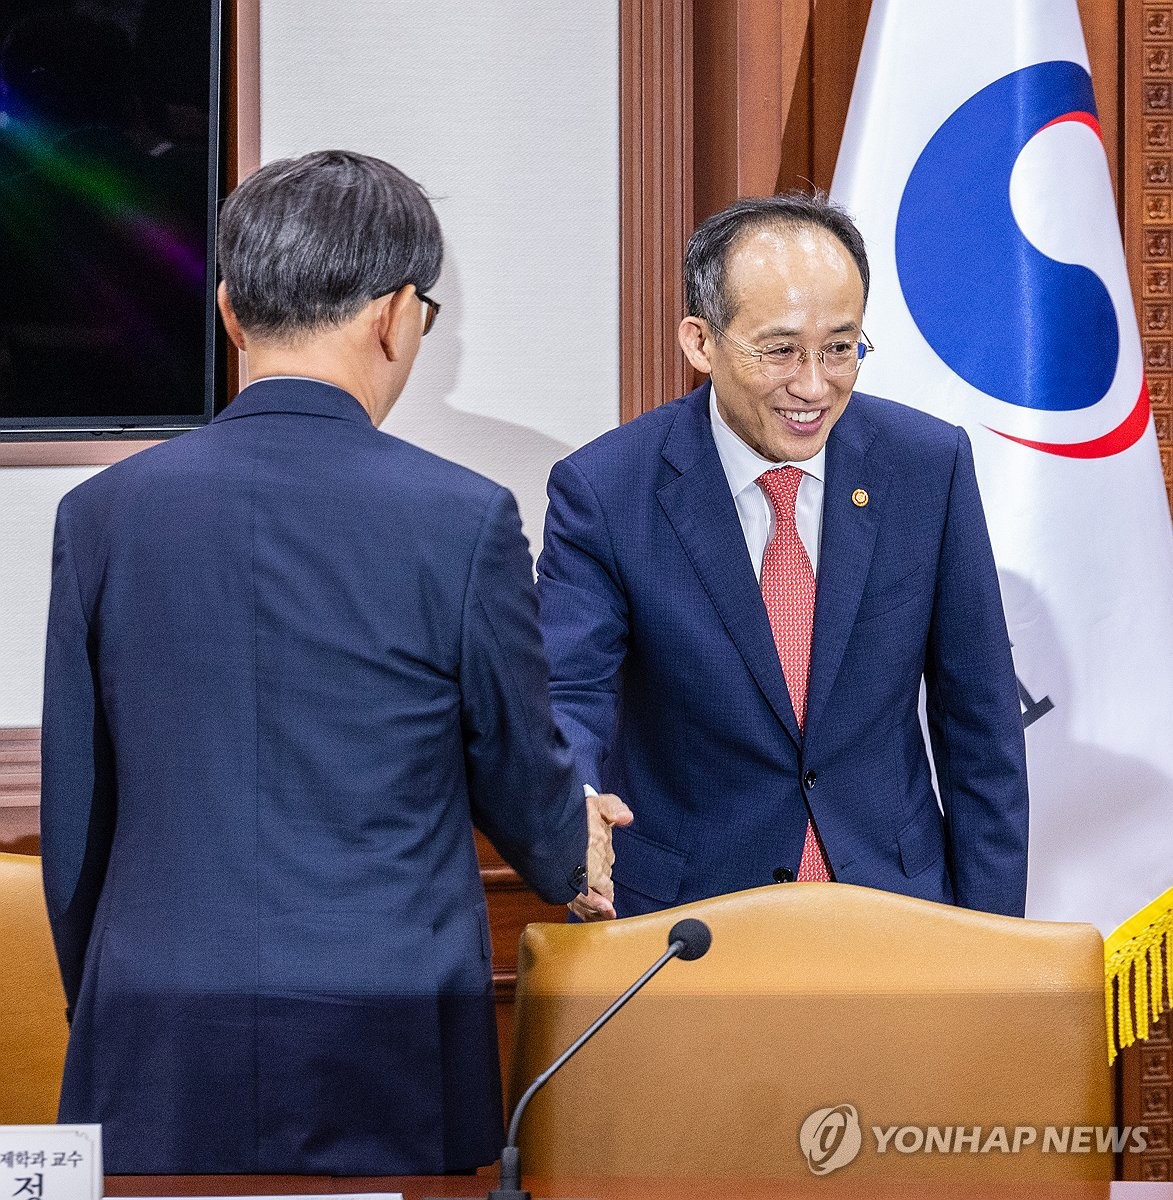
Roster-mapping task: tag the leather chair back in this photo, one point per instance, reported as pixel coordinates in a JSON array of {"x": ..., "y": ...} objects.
[
  {"x": 916, "y": 1017},
  {"x": 33, "y": 1031}
]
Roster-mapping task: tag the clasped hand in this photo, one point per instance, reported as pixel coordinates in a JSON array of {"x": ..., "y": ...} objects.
[{"x": 598, "y": 903}]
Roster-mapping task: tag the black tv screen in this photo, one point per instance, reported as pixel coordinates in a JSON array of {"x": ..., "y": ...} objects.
[{"x": 111, "y": 168}]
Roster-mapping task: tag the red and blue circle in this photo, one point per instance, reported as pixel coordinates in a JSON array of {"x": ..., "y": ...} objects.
[{"x": 1014, "y": 323}]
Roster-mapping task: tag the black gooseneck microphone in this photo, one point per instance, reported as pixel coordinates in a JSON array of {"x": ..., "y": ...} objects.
[{"x": 687, "y": 940}]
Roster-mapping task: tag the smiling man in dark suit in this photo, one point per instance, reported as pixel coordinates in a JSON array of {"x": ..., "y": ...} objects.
[
  {"x": 742, "y": 592},
  {"x": 291, "y": 662}
]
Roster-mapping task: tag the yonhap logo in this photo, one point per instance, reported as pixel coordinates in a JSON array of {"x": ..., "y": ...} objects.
[{"x": 830, "y": 1138}]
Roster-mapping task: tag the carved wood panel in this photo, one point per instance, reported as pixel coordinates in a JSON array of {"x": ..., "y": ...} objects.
[
  {"x": 1146, "y": 192},
  {"x": 1146, "y": 1077},
  {"x": 1147, "y": 46}
]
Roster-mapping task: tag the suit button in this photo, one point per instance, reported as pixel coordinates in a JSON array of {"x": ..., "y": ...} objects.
[
  {"x": 808, "y": 780},
  {"x": 578, "y": 876},
  {"x": 783, "y": 875}
]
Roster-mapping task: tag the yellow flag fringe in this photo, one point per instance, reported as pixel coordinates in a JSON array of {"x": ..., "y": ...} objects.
[{"x": 1138, "y": 964}]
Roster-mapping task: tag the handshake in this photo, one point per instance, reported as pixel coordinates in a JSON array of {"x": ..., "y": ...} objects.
[{"x": 603, "y": 812}]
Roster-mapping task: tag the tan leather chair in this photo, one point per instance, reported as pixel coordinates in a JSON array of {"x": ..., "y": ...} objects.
[
  {"x": 33, "y": 1031},
  {"x": 816, "y": 996}
]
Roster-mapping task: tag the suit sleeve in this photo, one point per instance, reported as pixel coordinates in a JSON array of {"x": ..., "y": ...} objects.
[
  {"x": 974, "y": 713},
  {"x": 77, "y": 777},
  {"x": 524, "y": 792},
  {"x": 584, "y": 618}
]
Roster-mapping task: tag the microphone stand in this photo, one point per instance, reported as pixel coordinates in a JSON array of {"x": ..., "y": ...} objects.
[{"x": 688, "y": 940}]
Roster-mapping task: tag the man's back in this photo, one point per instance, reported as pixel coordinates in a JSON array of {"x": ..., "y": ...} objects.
[{"x": 310, "y": 648}]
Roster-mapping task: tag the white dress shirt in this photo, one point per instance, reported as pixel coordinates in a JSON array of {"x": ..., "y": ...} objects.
[{"x": 755, "y": 512}]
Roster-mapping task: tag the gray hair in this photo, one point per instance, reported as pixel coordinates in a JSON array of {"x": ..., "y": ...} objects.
[
  {"x": 707, "y": 257},
  {"x": 305, "y": 243}
]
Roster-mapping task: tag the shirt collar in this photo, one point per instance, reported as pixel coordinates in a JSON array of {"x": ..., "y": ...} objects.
[
  {"x": 294, "y": 394},
  {"x": 743, "y": 464}
]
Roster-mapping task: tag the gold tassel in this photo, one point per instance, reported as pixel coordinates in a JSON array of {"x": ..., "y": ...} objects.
[
  {"x": 1124, "y": 996},
  {"x": 1141, "y": 995},
  {"x": 1158, "y": 959},
  {"x": 1137, "y": 971},
  {"x": 1110, "y": 1019}
]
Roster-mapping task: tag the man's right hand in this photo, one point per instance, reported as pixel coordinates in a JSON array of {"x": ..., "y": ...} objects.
[{"x": 603, "y": 812}]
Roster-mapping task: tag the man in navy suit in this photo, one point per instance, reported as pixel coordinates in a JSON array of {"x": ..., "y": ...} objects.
[
  {"x": 676, "y": 682},
  {"x": 289, "y": 658}
]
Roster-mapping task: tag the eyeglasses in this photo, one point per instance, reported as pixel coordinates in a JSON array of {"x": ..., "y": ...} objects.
[
  {"x": 784, "y": 360},
  {"x": 431, "y": 312}
]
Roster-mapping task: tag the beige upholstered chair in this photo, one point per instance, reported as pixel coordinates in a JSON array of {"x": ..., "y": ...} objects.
[
  {"x": 816, "y": 996},
  {"x": 33, "y": 1031}
]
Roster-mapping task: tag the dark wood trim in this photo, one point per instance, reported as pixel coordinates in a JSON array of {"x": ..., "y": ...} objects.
[
  {"x": 245, "y": 143},
  {"x": 656, "y": 207},
  {"x": 232, "y": 167},
  {"x": 504, "y": 990},
  {"x": 246, "y": 81}
]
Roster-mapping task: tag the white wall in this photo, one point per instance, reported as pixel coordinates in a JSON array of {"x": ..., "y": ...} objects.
[
  {"x": 28, "y": 504},
  {"x": 508, "y": 113}
]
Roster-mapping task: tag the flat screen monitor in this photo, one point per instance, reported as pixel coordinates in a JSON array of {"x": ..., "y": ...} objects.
[{"x": 112, "y": 153}]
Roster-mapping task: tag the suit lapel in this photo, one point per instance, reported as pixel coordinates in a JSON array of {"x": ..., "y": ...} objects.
[
  {"x": 700, "y": 508},
  {"x": 845, "y": 551}
]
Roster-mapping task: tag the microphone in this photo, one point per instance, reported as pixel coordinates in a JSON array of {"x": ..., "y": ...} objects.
[{"x": 687, "y": 940}]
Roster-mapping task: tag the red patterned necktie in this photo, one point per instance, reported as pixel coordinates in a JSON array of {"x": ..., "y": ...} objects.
[{"x": 788, "y": 588}]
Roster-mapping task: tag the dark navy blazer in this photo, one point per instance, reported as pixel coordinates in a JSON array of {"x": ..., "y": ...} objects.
[
  {"x": 667, "y": 681},
  {"x": 289, "y": 657}
]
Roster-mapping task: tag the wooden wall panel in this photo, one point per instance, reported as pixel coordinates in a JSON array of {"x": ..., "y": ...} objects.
[
  {"x": 244, "y": 143},
  {"x": 831, "y": 36},
  {"x": 837, "y": 28},
  {"x": 20, "y": 790},
  {"x": 747, "y": 62},
  {"x": 1102, "y": 31},
  {"x": 831, "y": 32},
  {"x": 655, "y": 185}
]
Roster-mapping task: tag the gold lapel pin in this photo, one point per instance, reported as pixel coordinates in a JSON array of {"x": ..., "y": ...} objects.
[{"x": 859, "y": 498}]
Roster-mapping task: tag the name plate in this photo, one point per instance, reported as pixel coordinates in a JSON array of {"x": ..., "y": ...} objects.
[{"x": 51, "y": 1162}]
